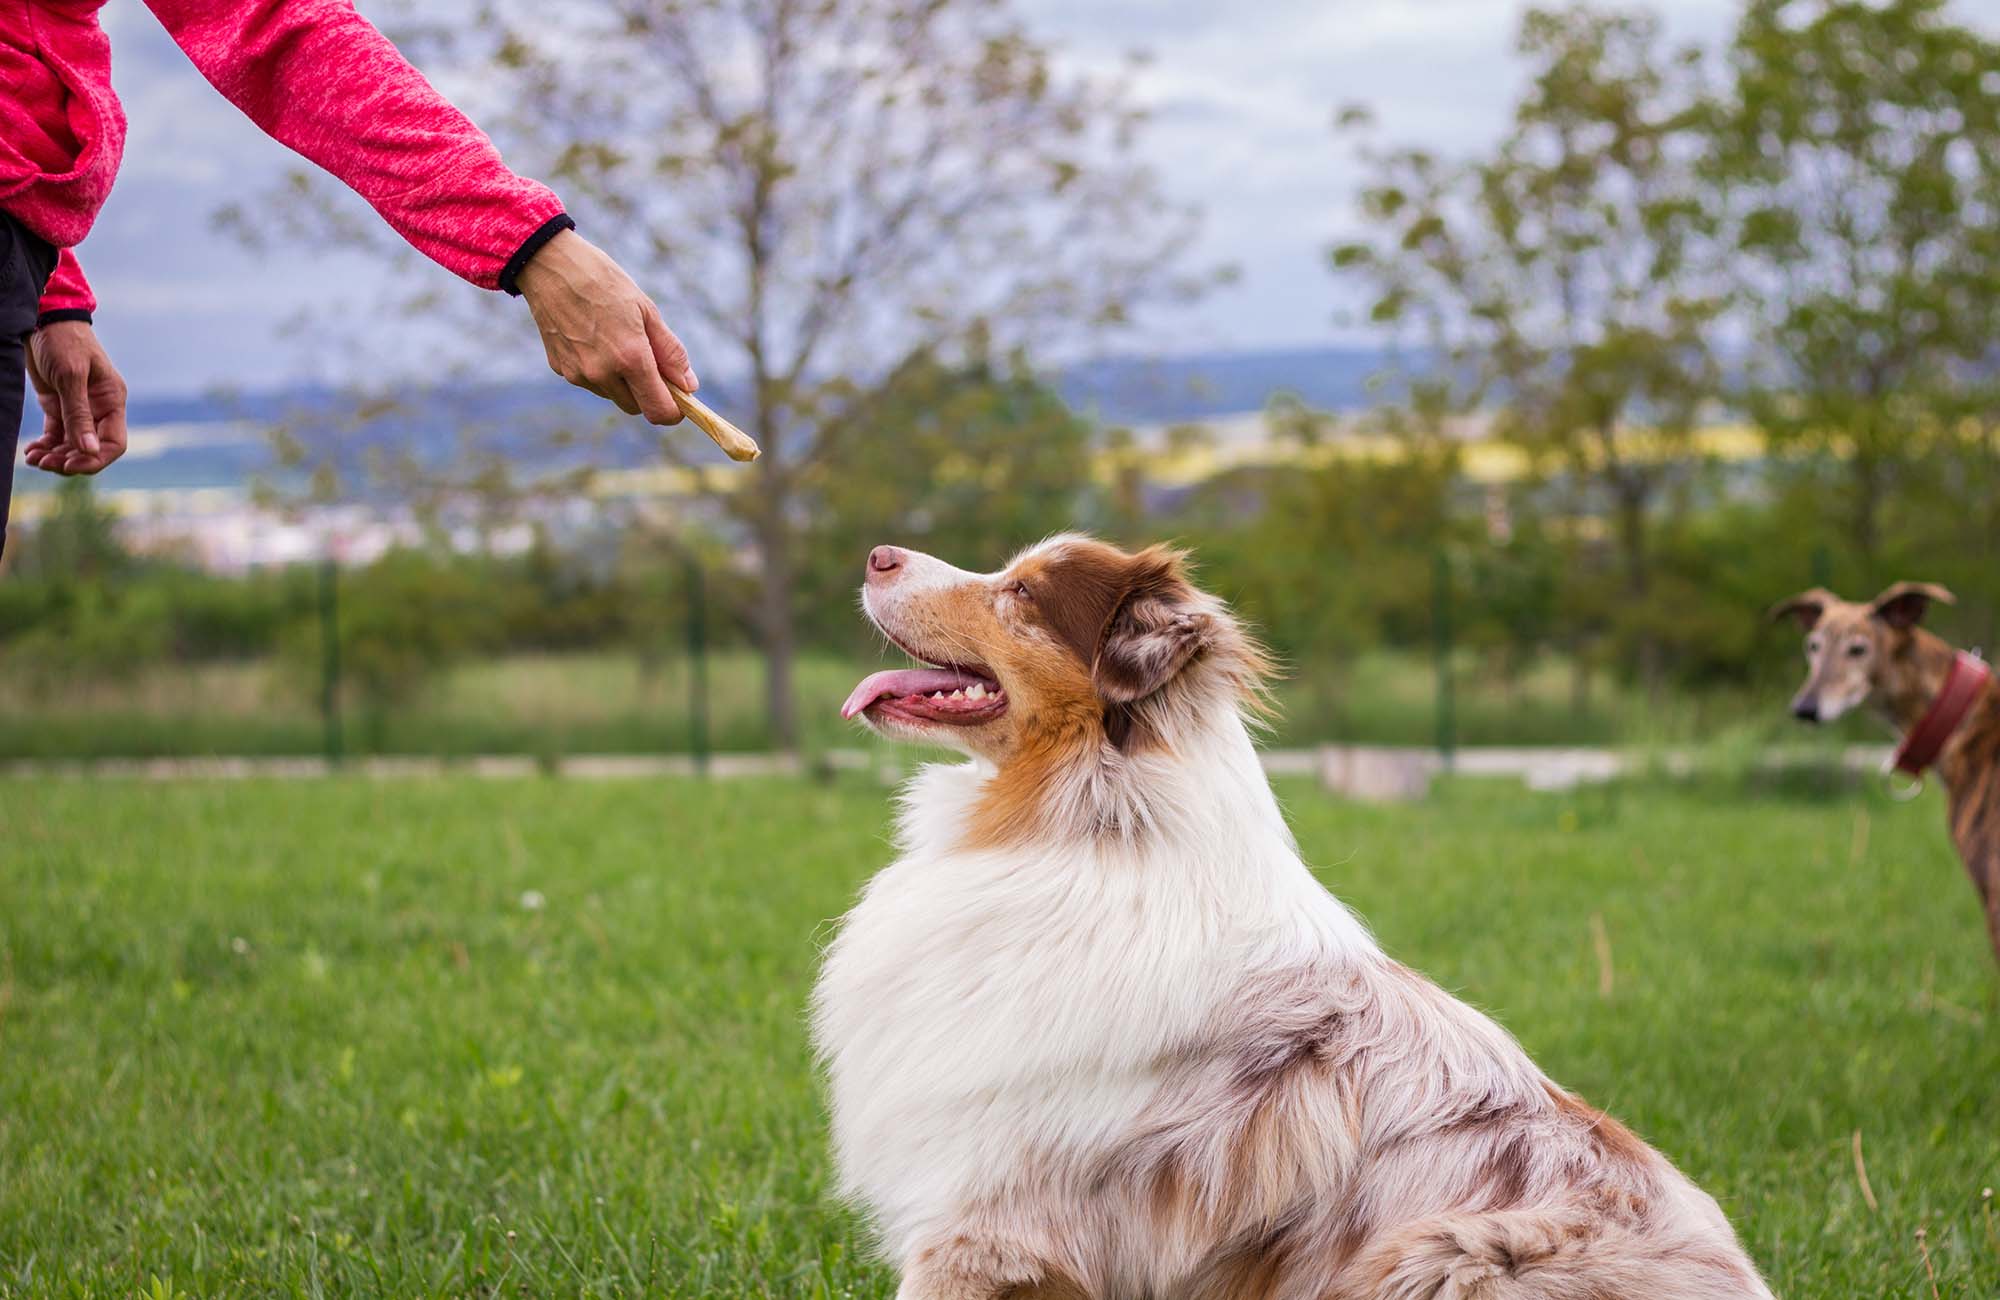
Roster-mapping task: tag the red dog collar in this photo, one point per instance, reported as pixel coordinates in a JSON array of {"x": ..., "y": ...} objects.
[{"x": 1962, "y": 687}]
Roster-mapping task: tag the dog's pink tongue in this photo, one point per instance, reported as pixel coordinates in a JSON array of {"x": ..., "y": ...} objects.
[{"x": 903, "y": 681}]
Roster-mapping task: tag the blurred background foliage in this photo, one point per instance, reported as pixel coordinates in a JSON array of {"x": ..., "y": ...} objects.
[{"x": 1732, "y": 314}]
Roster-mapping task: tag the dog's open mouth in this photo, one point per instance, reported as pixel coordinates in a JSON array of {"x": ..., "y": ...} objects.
[{"x": 957, "y": 697}]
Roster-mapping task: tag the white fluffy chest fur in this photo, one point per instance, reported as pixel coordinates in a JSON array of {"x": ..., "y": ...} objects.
[{"x": 982, "y": 1011}]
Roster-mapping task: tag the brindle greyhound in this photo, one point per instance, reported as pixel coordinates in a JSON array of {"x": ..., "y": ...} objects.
[{"x": 1941, "y": 700}]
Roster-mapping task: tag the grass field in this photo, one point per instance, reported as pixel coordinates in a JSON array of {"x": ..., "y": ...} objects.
[
  {"x": 543, "y": 1038},
  {"x": 600, "y": 702}
]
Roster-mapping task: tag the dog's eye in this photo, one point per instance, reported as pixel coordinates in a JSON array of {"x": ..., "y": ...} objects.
[
  {"x": 1812, "y": 646},
  {"x": 1021, "y": 591},
  {"x": 1858, "y": 649}
]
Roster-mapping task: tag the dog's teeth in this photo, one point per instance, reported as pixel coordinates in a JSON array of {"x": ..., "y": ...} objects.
[
  {"x": 958, "y": 695},
  {"x": 978, "y": 692},
  {"x": 937, "y": 695}
]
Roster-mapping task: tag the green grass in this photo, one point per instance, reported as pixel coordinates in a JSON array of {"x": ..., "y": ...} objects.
[
  {"x": 600, "y": 702},
  {"x": 521, "y": 704},
  {"x": 306, "y": 1039}
]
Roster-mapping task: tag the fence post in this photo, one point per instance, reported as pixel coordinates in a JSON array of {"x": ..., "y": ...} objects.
[
  {"x": 329, "y": 660},
  {"x": 697, "y": 638},
  {"x": 1447, "y": 719}
]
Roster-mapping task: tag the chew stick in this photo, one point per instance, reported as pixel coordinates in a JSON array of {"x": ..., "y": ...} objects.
[{"x": 733, "y": 441}]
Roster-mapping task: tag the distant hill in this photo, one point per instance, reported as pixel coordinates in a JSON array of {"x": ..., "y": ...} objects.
[
  {"x": 218, "y": 440},
  {"x": 1169, "y": 390}
]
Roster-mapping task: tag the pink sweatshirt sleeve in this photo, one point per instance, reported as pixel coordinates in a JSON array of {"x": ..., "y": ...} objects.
[
  {"x": 318, "y": 78},
  {"x": 67, "y": 295}
]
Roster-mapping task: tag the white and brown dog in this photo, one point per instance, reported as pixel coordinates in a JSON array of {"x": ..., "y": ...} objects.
[{"x": 1099, "y": 1032}]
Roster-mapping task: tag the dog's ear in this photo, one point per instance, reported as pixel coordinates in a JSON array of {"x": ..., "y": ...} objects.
[
  {"x": 1157, "y": 628},
  {"x": 1903, "y": 604},
  {"x": 1806, "y": 607}
]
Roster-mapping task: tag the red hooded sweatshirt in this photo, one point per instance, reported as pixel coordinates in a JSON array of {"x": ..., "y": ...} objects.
[{"x": 314, "y": 75}]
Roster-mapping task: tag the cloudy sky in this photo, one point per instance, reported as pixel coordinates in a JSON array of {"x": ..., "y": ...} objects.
[{"x": 1243, "y": 97}]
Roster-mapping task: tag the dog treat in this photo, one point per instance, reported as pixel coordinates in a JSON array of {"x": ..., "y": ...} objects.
[{"x": 738, "y": 444}]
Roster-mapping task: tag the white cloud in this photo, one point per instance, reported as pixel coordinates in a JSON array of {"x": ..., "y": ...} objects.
[{"x": 1243, "y": 98}]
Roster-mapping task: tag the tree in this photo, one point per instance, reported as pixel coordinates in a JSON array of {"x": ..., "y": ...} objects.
[
  {"x": 77, "y": 542},
  {"x": 810, "y": 187},
  {"x": 1329, "y": 554},
  {"x": 983, "y": 460},
  {"x": 1862, "y": 145},
  {"x": 1564, "y": 286}
]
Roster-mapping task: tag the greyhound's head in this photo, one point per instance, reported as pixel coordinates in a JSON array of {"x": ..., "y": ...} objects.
[{"x": 1857, "y": 653}]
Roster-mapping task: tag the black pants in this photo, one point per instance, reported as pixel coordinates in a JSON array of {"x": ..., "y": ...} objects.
[{"x": 26, "y": 262}]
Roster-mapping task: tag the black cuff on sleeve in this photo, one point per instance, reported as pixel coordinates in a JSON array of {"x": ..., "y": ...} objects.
[
  {"x": 63, "y": 313},
  {"x": 532, "y": 245}
]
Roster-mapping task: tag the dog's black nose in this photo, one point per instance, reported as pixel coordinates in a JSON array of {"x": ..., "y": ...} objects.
[
  {"x": 1806, "y": 710},
  {"x": 884, "y": 559}
]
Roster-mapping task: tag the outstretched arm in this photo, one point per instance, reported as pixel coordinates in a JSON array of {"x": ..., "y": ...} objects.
[{"x": 318, "y": 78}]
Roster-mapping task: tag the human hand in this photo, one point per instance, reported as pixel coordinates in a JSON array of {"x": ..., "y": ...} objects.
[
  {"x": 82, "y": 397},
  {"x": 601, "y": 331}
]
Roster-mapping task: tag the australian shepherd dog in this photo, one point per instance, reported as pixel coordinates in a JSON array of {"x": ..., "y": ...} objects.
[{"x": 1098, "y": 1032}]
